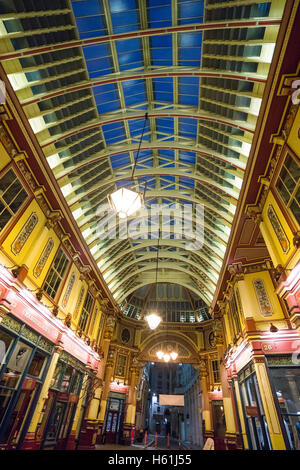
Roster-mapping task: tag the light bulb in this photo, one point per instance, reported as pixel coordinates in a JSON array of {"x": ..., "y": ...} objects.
[
  {"x": 166, "y": 357},
  {"x": 153, "y": 320},
  {"x": 174, "y": 355},
  {"x": 160, "y": 354},
  {"x": 125, "y": 202}
]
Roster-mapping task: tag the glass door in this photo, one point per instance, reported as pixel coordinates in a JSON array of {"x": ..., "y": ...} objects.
[
  {"x": 66, "y": 426},
  {"x": 54, "y": 425},
  {"x": 218, "y": 419},
  {"x": 111, "y": 427}
]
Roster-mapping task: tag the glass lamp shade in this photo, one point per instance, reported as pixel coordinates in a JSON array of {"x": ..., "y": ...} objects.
[
  {"x": 174, "y": 355},
  {"x": 160, "y": 354},
  {"x": 166, "y": 357},
  {"x": 153, "y": 320},
  {"x": 125, "y": 202}
]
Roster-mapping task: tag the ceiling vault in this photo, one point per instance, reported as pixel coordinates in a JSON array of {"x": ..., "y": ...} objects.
[{"x": 86, "y": 73}]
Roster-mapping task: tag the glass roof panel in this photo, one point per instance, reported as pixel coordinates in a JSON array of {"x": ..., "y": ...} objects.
[
  {"x": 134, "y": 92},
  {"x": 98, "y": 60},
  {"x": 120, "y": 160},
  {"x": 188, "y": 127},
  {"x": 159, "y": 13},
  {"x": 188, "y": 90},
  {"x": 190, "y": 11},
  {"x": 130, "y": 54},
  {"x": 161, "y": 50},
  {"x": 184, "y": 157},
  {"x": 106, "y": 98},
  {"x": 124, "y": 15},
  {"x": 113, "y": 132}
]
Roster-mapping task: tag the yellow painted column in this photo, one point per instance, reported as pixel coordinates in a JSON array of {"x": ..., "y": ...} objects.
[
  {"x": 240, "y": 411},
  {"x": 205, "y": 401},
  {"x": 131, "y": 404},
  {"x": 94, "y": 405},
  {"x": 231, "y": 430},
  {"x": 272, "y": 419},
  {"x": 37, "y": 416},
  {"x": 107, "y": 381},
  {"x": 78, "y": 414},
  {"x": 105, "y": 369}
]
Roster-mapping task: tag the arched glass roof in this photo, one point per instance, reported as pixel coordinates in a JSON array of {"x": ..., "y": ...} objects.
[
  {"x": 86, "y": 72},
  {"x": 173, "y": 302}
]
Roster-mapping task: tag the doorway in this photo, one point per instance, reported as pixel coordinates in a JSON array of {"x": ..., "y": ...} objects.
[{"x": 114, "y": 418}]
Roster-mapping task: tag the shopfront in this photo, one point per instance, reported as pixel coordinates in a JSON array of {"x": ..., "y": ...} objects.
[
  {"x": 284, "y": 374},
  {"x": 31, "y": 340},
  {"x": 25, "y": 356},
  {"x": 254, "y": 415},
  {"x": 60, "y": 407}
]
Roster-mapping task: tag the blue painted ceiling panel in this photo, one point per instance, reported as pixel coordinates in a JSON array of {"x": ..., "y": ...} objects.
[
  {"x": 159, "y": 13},
  {"x": 119, "y": 160},
  {"x": 190, "y": 12}
]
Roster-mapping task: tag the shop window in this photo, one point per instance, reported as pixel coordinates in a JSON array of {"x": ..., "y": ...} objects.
[
  {"x": 12, "y": 196},
  {"x": 56, "y": 274},
  {"x": 5, "y": 397},
  {"x": 286, "y": 382},
  {"x": 288, "y": 185},
  {"x": 255, "y": 420},
  {"x": 74, "y": 387},
  {"x": 5, "y": 343},
  {"x": 86, "y": 311},
  {"x": 37, "y": 364},
  {"x": 216, "y": 371},
  {"x": 16, "y": 365},
  {"x": 57, "y": 375},
  {"x": 66, "y": 379}
]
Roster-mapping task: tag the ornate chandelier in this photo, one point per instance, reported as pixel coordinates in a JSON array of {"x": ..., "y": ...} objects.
[
  {"x": 126, "y": 202},
  {"x": 153, "y": 320},
  {"x": 167, "y": 354}
]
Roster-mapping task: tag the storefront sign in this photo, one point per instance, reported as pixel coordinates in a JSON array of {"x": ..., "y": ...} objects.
[
  {"x": 74, "y": 349},
  {"x": 24, "y": 306},
  {"x": 252, "y": 411},
  {"x": 290, "y": 345},
  {"x": 121, "y": 388},
  {"x": 31, "y": 317},
  {"x": 63, "y": 396}
]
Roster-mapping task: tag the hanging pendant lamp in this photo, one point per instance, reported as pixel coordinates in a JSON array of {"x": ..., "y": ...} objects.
[
  {"x": 153, "y": 319},
  {"x": 126, "y": 202}
]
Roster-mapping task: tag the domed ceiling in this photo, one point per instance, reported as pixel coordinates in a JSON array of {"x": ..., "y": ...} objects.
[{"x": 87, "y": 71}]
